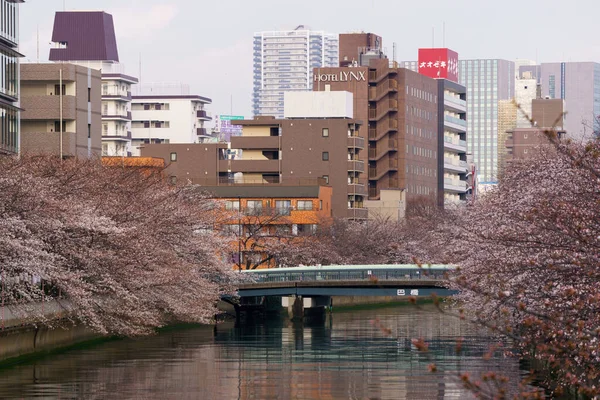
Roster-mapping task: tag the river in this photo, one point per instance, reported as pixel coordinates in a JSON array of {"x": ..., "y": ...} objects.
[{"x": 354, "y": 354}]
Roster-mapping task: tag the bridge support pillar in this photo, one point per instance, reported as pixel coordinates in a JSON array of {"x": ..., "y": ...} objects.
[{"x": 299, "y": 307}]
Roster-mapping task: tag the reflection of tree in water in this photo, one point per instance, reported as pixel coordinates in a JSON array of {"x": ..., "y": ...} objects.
[{"x": 346, "y": 357}]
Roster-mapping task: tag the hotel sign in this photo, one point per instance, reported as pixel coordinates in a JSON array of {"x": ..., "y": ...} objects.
[{"x": 342, "y": 76}]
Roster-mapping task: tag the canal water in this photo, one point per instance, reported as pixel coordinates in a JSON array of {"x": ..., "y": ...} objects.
[{"x": 355, "y": 354}]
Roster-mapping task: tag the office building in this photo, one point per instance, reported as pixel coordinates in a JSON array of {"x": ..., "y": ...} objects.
[
  {"x": 168, "y": 119},
  {"x": 60, "y": 120},
  {"x": 87, "y": 38},
  {"x": 578, "y": 84},
  {"x": 284, "y": 61},
  {"x": 9, "y": 82},
  {"x": 487, "y": 82}
]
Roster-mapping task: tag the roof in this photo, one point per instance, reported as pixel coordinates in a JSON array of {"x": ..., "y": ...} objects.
[
  {"x": 173, "y": 97},
  {"x": 263, "y": 191},
  {"x": 88, "y": 35}
]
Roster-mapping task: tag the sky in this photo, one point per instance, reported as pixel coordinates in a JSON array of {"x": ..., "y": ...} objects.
[{"x": 208, "y": 44}]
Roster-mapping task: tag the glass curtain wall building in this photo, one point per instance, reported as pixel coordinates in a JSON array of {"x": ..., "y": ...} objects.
[
  {"x": 284, "y": 61},
  {"x": 487, "y": 82},
  {"x": 9, "y": 82}
]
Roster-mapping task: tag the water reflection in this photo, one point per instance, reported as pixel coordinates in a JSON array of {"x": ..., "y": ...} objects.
[{"x": 347, "y": 357}]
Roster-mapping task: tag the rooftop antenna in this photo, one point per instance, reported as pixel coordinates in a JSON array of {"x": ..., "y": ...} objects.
[
  {"x": 394, "y": 52},
  {"x": 444, "y": 35},
  {"x": 140, "y": 71},
  {"x": 432, "y": 37}
]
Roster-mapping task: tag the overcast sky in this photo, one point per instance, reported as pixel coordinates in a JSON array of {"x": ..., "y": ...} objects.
[{"x": 208, "y": 43}]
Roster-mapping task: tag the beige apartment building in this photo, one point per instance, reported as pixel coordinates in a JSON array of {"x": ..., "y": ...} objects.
[{"x": 61, "y": 110}]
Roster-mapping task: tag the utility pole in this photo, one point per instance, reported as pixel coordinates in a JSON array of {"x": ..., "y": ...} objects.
[{"x": 60, "y": 88}]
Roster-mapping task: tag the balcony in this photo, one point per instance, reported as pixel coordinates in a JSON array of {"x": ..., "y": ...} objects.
[
  {"x": 376, "y": 173},
  {"x": 48, "y": 108},
  {"x": 117, "y": 136},
  {"x": 457, "y": 124},
  {"x": 255, "y": 142},
  {"x": 357, "y": 189},
  {"x": 458, "y": 146},
  {"x": 356, "y": 165},
  {"x": 356, "y": 142},
  {"x": 455, "y": 166},
  {"x": 455, "y": 185},
  {"x": 358, "y": 213},
  {"x": 455, "y": 103},
  {"x": 383, "y": 147},
  {"x": 116, "y": 94},
  {"x": 116, "y": 115},
  {"x": 389, "y": 85},
  {"x": 386, "y": 125},
  {"x": 203, "y": 115},
  {"x": 201, "y": 132},
  {"x": 249, "y": 166}
]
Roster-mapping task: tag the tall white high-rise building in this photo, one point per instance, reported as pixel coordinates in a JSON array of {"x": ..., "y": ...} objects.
[
  {"x": 487, "y": 82},
  {"x": 284, "y": 62}
]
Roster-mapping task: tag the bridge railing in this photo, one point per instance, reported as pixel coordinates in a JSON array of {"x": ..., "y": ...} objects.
[{"x": 289, "y": 275}]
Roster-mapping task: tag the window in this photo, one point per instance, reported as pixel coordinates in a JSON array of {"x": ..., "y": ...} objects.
[
  {"x": 283, "y": 229},
  {"x": 57, "y": 90},
  {"x": 305, "y": 205},
  {"x": 320, "y": 204},
  {"x": 307, "y": 229},
  {"x": 157, "y": 124},
  {"x": 254, "y": 207},
  {"x": 325, "y": 156},
  {"x": 233, "y": 229},
  {"x": 57, "y": 126},
  {"x": 157, "y": 107},
  {"x": 326, "y": 178},
  {"x": 325, "y": 132},
  {"x": 146, "y": 106},
  {"x": 146, "y": 124},
  {"x": 232, "y": 205},
  {"x": 283, "y": 207},
  {"x": 173, "y": 156}
]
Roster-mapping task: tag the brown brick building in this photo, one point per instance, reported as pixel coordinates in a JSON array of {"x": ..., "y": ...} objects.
[
  {"x": 523, "y": 143},
  {"x": 402, "y": 132},
  {"x": 41, "y": 116}
]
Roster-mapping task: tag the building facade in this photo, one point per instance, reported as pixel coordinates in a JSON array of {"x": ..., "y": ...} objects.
[
  {"x": 283, "y": 62},
  {"x": 168, "y": 119},
  {"x": 452, "y": 142},
  {"x": 9, "y": 83},
  {"x": 60, "y": 120},
  {"x": 578, "y": 84},
  {"x": 401, "y": 109},
  {"x": 487, "y": 82},
  {"x": 88, "y": 38},
  {"x": 255, "y": 215}
]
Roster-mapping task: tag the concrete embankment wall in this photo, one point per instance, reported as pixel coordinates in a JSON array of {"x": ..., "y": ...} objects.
[
  {"x": 21, "y": 341},
  {"x": 19, "y": 336}
]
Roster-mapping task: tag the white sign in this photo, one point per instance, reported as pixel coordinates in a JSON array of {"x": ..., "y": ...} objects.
[
  {"x": 401, "y": 292},
  {"x": 343, "y": 76},
  {"x": 414, "y": 292}
]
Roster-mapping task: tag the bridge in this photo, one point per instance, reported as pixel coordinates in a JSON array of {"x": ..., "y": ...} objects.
[{"x": 312, "y": 287}]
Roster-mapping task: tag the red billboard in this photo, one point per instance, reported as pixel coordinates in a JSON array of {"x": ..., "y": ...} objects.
[{"x": 439, "y": 63}]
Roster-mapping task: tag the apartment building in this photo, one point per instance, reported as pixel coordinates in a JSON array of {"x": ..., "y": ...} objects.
[
  {"x": 253, "y": 214},
  {"x": 61, "y": 110},
  {"x": 87, "y": 38},
  {"x": 523, "y": 143},
  {"x": 168, "y": 119},
  {"x": 283, "y": 62},
  {"x": 9, "y": 76},
  {"x": 401, "y": 109}
]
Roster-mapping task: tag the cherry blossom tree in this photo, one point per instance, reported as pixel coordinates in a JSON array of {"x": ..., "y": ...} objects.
[
  {"x": 124, "y": 249},
  {"x": 529, "y": 258}
]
